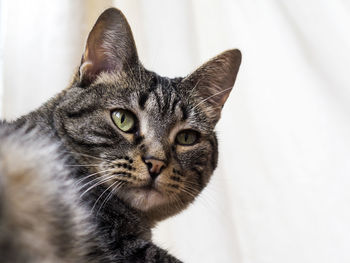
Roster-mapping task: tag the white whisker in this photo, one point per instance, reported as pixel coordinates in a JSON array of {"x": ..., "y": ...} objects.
[
  {"x": 110, "y": 195},
  {"x": 218, "y": 93},
  {"x": 83, "y": 165},
  {"x": 98, "y": 199},
  {"x": 90, "y": 156},
  {"x": 97, "y": 184},
  {"x": 90, "y": 175}
]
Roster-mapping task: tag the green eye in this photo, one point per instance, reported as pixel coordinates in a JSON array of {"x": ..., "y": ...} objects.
[
  {"x": 187, "y": 137},
  {"x": 124, "y": 120}
]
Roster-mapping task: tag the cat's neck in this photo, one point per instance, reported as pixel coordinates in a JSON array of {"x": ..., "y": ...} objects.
[{"x": 114, "y": 216}]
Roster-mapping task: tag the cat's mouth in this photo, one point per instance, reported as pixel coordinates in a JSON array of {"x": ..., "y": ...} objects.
[
  {"x": 151, "y": 189},
  {"x": 147, "y": 191},
  {"x": 146, "y": 196},
  {"x": 150, "y": 186}
]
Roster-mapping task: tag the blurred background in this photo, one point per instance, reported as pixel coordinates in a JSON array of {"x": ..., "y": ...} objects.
[{"x": 281, "y": 192}]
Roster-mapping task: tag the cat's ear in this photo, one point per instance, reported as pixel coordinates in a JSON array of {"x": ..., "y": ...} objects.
[
  {"x": 214, "y": 80},
  {"x": 110, "y": 47}
]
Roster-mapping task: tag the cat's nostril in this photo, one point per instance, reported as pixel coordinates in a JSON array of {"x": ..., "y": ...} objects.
[
  {"x": 149, "y": 165},
  {"x": 155, "y": 166}
]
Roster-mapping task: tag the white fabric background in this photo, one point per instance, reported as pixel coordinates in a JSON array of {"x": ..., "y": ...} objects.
[{"x": 281, "y": 192}]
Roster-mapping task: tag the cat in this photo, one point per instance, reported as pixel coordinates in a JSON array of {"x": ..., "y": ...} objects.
[{"x": 86, "y": 176}]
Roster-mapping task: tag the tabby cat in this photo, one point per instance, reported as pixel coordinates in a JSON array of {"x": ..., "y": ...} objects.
[{"x": 87, "y": 175}]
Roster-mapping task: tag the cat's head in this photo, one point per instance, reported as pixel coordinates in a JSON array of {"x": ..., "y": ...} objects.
[{"x": 148, "y": 139}]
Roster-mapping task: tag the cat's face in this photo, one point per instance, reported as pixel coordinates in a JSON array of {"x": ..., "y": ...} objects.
[
  {"x": 153, "y": 142},
  {"x": 149, "y": 140}
]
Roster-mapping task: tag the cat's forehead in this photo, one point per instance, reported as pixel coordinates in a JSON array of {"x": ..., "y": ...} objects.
[
  {"x": 160, "y": 97},
  {"x": 160, "y": 100}
]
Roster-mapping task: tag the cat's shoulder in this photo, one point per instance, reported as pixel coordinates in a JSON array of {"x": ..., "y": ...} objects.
[{"x": 38, "y": 200}]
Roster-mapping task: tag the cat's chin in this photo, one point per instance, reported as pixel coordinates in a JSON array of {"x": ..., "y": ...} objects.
[{"x": 144, "y": 198}]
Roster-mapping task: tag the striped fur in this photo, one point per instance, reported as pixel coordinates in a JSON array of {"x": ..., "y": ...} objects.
[{"x": 75, "y": 188}]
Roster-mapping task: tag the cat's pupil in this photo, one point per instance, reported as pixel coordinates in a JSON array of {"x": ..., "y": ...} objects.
[
  {"x": 186, "y": 137},
  {"x": 122, "y": 119}
]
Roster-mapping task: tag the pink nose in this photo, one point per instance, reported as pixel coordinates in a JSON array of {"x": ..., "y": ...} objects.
[{"x": 155, "y": 166}]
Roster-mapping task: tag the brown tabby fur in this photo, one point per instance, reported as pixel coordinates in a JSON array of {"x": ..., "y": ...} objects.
[{"x": 75, "y": 188}]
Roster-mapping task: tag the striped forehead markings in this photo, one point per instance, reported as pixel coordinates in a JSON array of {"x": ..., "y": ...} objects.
[
  {"x": 143, "y": 99},
  {"x": 158, "y": 97},
  {"x": 166, "y": 100}
]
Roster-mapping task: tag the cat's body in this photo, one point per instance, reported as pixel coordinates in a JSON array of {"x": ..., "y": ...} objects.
[
  {"x": 86, "y": 176},
  {"x": 40, "y": 213},
  {"x": 44, "y": 218}
]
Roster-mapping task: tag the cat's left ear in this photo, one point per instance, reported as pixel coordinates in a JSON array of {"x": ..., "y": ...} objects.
[
  {"x": 213, "y": 81},
  {"x": 110, "y": 47}
]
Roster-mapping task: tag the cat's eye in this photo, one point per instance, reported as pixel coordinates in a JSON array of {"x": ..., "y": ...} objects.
[
  {"x": 124, "y": 120},
  {"x": 187, "y": 137}
]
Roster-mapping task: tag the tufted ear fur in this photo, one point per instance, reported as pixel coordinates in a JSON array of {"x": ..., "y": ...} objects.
[
  {"x": 110, "y": 47},
  {"x": 214, "y": 80}
]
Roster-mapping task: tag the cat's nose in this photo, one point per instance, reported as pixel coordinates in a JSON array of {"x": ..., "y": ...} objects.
[{"x": 154, "y": 165}]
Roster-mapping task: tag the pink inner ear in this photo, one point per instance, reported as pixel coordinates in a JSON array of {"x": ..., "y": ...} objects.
[
  {"x": 109, "y": 47},
  {"x": 93, "y": 64}
]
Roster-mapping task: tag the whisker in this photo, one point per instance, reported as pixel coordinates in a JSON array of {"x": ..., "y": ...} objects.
[
  {"x": 91, "y": 156},
  {"x": 178, "y": 202},
  {"x": 82, "y": 165},
  {"x": 188, "y": 191},
  {"x": 195, "y": 190},
  {"x": 97, "y": 184},
  {"x": 195, "y": 86},
  {"x": 90, "y": 175},
  {"x": 110, "y": 195},
  {"x": 95, "y": 180},
  {"x": 206, "y": 110},
  {"x": 202, "y": 198},
  {"x": 211, "y": 97},
  {"x": 98, "y": 199}
]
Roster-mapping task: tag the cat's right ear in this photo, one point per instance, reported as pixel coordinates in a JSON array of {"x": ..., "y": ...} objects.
[
  {"x": 110, "y": 47},
  {"x": 213, "y": 81}
]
